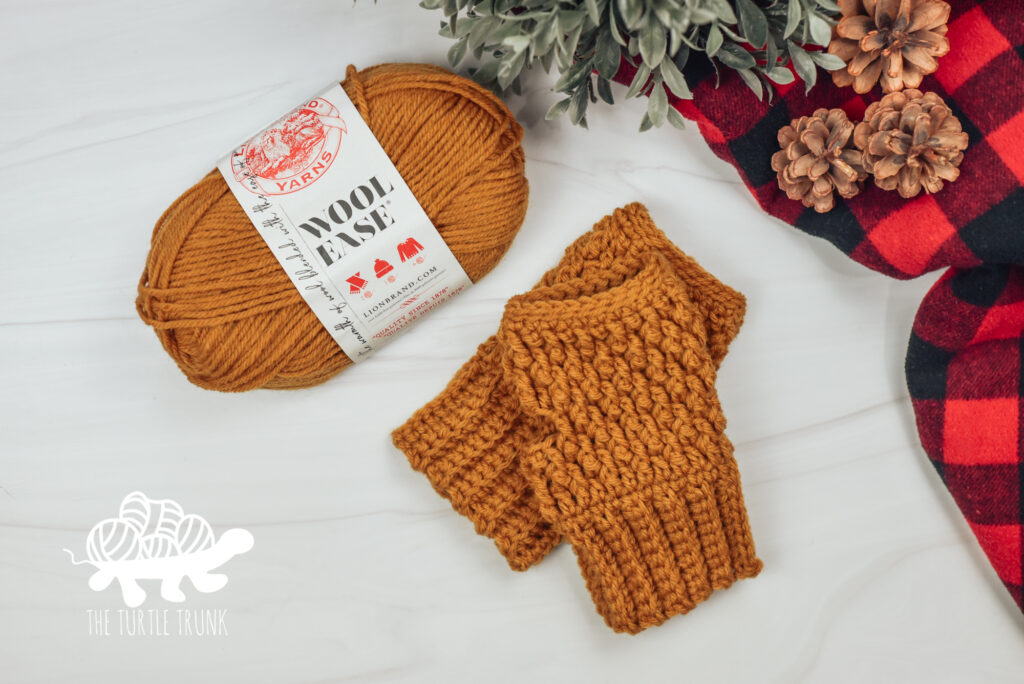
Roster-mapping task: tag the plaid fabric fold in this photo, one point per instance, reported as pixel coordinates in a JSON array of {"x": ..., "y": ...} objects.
[
  {"x": 964, "y": 359},
  {"x": 964, "y": 373}
]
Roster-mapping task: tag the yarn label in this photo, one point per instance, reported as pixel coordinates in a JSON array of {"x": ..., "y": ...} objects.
[{"x": 337, "y": 215}]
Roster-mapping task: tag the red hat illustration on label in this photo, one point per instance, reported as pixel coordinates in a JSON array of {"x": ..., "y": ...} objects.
[
  {"x": 409, "y": 249},
  {"x": 355, "y": 283},
  {"x": 382, "y": 268},
  {"x": 293, "y": 152}
]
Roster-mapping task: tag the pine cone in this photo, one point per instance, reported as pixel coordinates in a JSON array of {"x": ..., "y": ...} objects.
[
  {"x": 911, "y": 141},
  {"x": 897, "y": 40},
  {"x": 817, "y": 157}
]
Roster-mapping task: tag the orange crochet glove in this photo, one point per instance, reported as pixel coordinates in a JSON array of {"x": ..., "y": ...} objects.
[
  {"x": 467, "y": 441},
  {"x": 636, "y": 472}
]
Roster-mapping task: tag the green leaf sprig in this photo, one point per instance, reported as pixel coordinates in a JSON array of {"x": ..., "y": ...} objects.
[{"x": 586, "y": 40}]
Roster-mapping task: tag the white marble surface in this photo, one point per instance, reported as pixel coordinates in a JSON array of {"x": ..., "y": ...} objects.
[{"x": 360, "y": 572}]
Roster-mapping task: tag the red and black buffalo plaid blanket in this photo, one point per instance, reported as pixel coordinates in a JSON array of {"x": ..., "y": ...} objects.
[{"x": 965, "y": 362}]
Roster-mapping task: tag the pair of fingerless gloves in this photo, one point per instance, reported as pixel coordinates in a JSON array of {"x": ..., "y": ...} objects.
[{"x": 592, "y": 416}]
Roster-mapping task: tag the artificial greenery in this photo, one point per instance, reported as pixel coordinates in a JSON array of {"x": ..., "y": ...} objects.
[{"x": 587, "y": 39}]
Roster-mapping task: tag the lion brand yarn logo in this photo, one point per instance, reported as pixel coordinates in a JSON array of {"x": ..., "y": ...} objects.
[
  {"x": 153, "y": 539},
  {"x": 293, "y": 153}
]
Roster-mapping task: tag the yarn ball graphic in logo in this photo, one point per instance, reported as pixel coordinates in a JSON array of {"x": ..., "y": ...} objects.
[
  {"x": 155, "y": 539},
  {"x": 293, "y": 153}
]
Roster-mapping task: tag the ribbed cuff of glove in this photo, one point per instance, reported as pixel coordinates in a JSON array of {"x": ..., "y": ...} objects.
[
  {"x": 637, "y": 473},
  {"x": 467, "y": 440}
]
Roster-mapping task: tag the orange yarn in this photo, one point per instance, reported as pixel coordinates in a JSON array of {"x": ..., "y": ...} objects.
[
  {"x": 223, "y": 307},
  {"x": 469, "y": 440},
  {"x": 635, "y": 469}
]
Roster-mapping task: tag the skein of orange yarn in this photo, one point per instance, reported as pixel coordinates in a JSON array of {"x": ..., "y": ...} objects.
[{"x": 221, "y": 304}]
